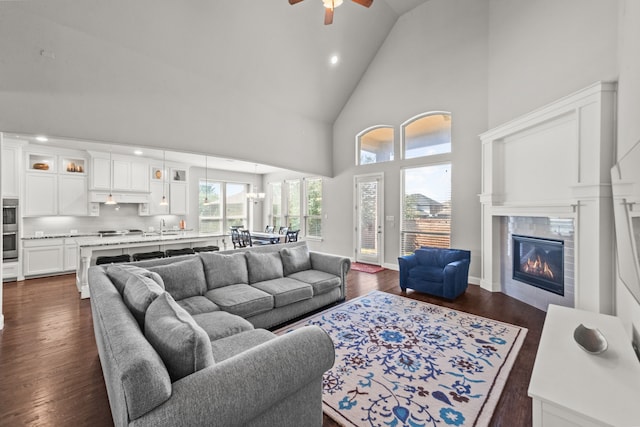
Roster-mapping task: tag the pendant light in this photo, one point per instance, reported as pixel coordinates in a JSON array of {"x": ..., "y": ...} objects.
[
  {"x": 110, "y": 200},
  {"x": 164, "y": 201},
  {"x": 206, "y": 181}
]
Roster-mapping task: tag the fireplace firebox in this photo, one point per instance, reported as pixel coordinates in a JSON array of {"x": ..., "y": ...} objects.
[{"x": 539, "y": 262}]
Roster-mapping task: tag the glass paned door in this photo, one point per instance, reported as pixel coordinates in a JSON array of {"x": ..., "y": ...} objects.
[{"x": 368, "y": 219}]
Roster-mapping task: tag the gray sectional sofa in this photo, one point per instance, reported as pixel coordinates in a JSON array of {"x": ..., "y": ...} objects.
[{"x": 181, "y": 340}]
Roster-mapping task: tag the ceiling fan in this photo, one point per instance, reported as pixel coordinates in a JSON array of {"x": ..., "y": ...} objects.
[{"x": 329, "y": 5}]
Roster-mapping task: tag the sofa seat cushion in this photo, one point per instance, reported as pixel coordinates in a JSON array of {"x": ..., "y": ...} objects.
[
  {"x": 241, "y": 299},
  {"x": 198, "y": 305},
  {"x": 183, "y": 279},
  {"x": 264, "y": 266},
  {"x": 235, "y": 344},
  {"x": 427, "y": 273},
  {"x": 120, "y": 273},
  {"x": 220, "y": 324},
  {"x": 320, "y": 281},
  {"x": 139, "y": 292},
  {"x": 183, "y": 345},
  {"x": 224, "y": 269},
  {"x": 285, "y": 290},
  {"x": 295, "y": 259}
]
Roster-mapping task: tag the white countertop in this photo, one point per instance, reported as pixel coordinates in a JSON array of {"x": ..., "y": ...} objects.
[{"x": 94, "y": 241}]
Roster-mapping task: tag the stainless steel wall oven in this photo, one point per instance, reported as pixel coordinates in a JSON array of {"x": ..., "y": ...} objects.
[{"x": 10, "y": 220}]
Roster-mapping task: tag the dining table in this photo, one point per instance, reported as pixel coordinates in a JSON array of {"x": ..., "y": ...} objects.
[{"x": 268, "y": 237}]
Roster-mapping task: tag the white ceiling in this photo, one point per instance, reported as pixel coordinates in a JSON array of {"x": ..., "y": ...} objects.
[{"x": 259, "y": 50}]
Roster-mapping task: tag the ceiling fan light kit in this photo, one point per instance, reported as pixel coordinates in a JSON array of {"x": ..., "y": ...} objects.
[{"x": 329, "y": 5}]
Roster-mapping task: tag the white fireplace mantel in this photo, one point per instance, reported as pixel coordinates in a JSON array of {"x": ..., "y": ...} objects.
[{"x": 555, "y": 162}]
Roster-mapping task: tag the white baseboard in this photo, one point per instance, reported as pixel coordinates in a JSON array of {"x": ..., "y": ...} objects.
[
  {"x": 474, "y": 280},
  {"x": 1, "y": 321}
]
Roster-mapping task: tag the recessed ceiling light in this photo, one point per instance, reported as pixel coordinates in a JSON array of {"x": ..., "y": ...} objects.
[
  {"x": 138, "y": 152},
  {"x": 42, "y": 138},
  {"x": 334, "y": 60}
]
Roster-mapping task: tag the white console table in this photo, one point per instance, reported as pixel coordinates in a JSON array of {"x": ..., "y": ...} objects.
[{"x": 572, "y": 388}]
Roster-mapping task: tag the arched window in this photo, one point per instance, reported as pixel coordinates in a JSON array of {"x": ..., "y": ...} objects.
[
  {"x": 374, "y": 145},
  {"x": 426, "y": 135}
]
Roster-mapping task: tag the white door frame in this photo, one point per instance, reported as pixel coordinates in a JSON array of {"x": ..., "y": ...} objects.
[{"x": 379, "y": 177}]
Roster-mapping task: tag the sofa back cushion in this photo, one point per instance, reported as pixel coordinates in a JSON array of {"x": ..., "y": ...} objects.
[
  {"x": 183, "y": 279},
  {"x": 295, "y": 259},
  {"x": 264, "y": 266},
  {"x": 183, "y": 345},
  {"x": 224, "y": 269},
  {"x": 120, "y": 273},
  {"x": 139, "y": 292}
]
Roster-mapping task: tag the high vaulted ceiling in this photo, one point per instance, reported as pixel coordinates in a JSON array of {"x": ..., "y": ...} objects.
[{"x": 216, "y": 76}]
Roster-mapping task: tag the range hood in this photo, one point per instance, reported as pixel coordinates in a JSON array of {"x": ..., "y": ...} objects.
[{"x": 119, "y": 197}]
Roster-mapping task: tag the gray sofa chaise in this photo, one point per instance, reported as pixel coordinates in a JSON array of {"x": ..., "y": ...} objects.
[{"x": 180, "y": 343}]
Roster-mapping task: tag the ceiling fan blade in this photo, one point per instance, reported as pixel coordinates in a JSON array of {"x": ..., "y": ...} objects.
[
  {"x": 328, "y": 16},
  {"x": 294, "y": 1},
  {"x": 365, "y": 3}
]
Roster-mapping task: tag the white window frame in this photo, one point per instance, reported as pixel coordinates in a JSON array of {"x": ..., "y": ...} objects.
[
  {"x": 305, "y": 202},
  {"x": 403, "y": 128}
]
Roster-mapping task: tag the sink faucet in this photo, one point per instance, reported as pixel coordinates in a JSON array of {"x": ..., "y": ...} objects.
[{"x": 163, "y": 225}]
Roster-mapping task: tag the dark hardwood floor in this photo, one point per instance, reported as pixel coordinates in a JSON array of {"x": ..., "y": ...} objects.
[{"x": 51, "y": 374}]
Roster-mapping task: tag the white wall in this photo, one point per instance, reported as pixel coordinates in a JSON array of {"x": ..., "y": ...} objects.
[
  {"x": 435, "y": 58},
  {"x": 628, "y": 127},
  {"x": 540, "y": 51}
]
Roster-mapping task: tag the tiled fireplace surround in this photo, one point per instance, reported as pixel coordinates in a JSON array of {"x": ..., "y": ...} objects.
[{"x": 547, "y": 174}]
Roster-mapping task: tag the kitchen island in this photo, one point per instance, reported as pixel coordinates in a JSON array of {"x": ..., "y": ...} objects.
[{"x": 89, "y": 248}]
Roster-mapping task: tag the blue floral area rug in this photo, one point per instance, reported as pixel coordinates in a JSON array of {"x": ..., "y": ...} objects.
[{"x": 401, "y": 362}]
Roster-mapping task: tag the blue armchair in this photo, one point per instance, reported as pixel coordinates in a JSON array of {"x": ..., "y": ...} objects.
[{"x": 436, "y": 271}]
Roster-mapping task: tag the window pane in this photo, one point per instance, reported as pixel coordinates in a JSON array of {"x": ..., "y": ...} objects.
[
  {"x": 210, "y": 214},
  {"x": 314, "y": 207},
  {"x": 376, "y": 145},
  {"x": 236, "y": 209},
  {"x": 293, "y": 204},
  {"x": 427, "y": 136},
  {"x": 276, "y": 204},
  {"x": 426, "y": 208}
]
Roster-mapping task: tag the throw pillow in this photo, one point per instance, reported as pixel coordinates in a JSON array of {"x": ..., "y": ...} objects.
[
  {"x": 139, "y": 293},
  {"x": 295, "y": 259},
  {"x": 183, "y": 279},
  {"x": 184, "y": 346},
  {"x": 263, "y": 266},
  {"x": 120, "y": 273},
  {"x": 223, "y": 270}
]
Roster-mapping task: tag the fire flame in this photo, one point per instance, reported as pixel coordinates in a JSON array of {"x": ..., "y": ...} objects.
[{"x": 537, "y": 268}]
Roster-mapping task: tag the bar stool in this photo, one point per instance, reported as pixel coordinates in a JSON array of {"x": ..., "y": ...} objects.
[
  {"x": 147, "y": 255},
  {"x": 112, "y": 259},
  {"x": 177, "y": 252},
  {"x": 206, "y": 249}
]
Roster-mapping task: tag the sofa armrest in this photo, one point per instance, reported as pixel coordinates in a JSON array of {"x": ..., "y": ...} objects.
[
  {"x": 332, "y": 264},
  {"x": 239, "y": 389},
  {"x": 406, "y": 263}
]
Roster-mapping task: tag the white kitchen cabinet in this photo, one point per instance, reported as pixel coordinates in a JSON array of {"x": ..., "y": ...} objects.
[
  {"x": 178, "y": 198},
  {"x": 43, "y": 256},
  {"x": 157, "y": 190},
  {"x": 11, "y": 155},
  {"x": 10, "y": 270},
  {"x": 130, "y": 175},
  {"x": 121, "y": 174},
  {"x": 100, "y": 172},
  {"x": 72, "y": 195},
  {"x": 70, "y": 255},
  {"x": 139, "y": 177},
  {"x": 41, "y": 194}
]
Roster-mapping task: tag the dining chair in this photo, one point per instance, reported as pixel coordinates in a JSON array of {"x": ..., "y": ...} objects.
[
  {"x": 269, "y": 229},
  {"x": 236, "y": 239},
  {"x": 245, "y": 238},
  {"x": 283, "y": 230},
  {"x": 292, "y": 236}
]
